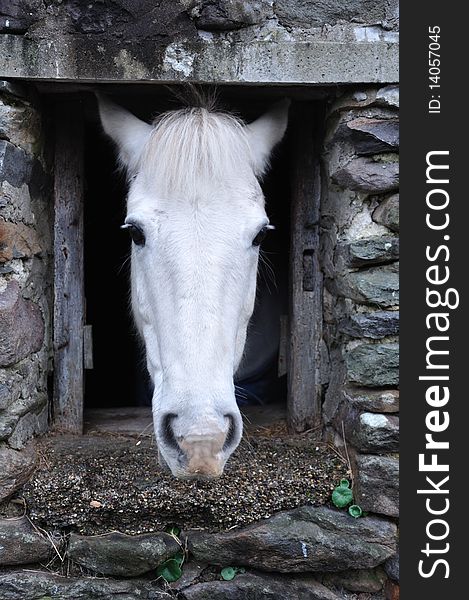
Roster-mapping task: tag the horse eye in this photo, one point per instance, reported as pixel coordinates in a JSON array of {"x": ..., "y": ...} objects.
[
  {"x": 136, "y": 233},
  {"x": 260, "y": 237}
]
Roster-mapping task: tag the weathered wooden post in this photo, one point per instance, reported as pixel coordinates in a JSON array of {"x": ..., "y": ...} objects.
[
  {"x": 69, "y": 304},
  {"x": 304, "y": 389}
]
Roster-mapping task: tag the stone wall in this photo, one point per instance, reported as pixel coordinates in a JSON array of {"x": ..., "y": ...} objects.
[
  {"x": 306, "y": 554},
  {"x": 153, "y": 20},
  {"x": 360, "y": 253},
  {"x": 25, "y": 282}
]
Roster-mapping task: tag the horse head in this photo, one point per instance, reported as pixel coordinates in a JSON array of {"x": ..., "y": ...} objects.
[{"x": 196, "y": 218}]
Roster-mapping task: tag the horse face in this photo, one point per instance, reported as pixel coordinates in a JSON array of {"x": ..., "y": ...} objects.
[
  {"x": 193, "y": 290},
  {"x": 196, "y": 218}
]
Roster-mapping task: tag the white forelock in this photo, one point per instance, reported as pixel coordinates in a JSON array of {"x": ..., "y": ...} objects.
[{"x": 192, "y": 148}]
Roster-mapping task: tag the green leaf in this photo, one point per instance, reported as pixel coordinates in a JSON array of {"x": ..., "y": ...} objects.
[
  {"x": 355, "y": 511},
  {"x": 342, "y": 494},
  {"x": 173, "y": 530},
  {"x": 228, "y": 573},
  {"x": 170, "y": 570}
]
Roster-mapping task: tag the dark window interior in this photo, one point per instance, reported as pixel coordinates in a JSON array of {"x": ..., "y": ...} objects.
[{"x": 119, "y": 376}]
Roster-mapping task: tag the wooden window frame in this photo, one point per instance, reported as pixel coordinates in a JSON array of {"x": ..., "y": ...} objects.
[{"x": 306, "y": 281}]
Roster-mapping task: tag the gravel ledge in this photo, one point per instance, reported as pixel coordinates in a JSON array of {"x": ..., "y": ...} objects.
[{"x": 101, "y": 483}]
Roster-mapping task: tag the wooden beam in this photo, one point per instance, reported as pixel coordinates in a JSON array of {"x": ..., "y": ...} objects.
[
  {"x": 306, "y": 283},
  {"x": 69, "y": 305}
]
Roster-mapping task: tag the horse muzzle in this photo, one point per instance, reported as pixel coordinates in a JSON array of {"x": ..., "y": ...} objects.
[{"x": 201, "y": 453}]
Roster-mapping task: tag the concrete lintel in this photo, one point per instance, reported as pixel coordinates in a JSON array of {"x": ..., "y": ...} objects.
[{"x": 259, "y": 62}]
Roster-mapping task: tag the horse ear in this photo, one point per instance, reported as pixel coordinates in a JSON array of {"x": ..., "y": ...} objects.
[
  {"x": 265, "y": 133},
  {"x": 127, "y": 131}
]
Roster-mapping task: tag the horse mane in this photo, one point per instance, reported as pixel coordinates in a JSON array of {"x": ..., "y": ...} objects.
[{"x": 195, "y": 146}]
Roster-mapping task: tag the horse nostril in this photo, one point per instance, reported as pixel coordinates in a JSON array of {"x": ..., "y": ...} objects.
[
  {"x": 167, "y": 432},
  {"x": 231, "y": 435}
]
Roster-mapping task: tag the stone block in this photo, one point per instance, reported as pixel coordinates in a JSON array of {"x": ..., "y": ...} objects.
[
  {"x": 373, "y": 365},
  {"x": 370, "y": 175},
  {"x": 256, "y": 586},
  {"x": 26, "y": 415},
  {"x": 388, "y": 96},
  {"x": 304, "y": 539},
  {"x": 224, "y": 15},
  {"x": 15, "y": 165},
  {"x": 17, "y": 467},
  {"x": 373, "y": 325},
  {"x": 19, "y": 382},
  {"x": 20, "y": 124},
  {"x": 368, "y": 581},
  {"x": 131, "y": 20},
  {"x": 16, "y": 16},
  {"x": 5, "y": 394},
  {"x": 372, "y": 136},
  {"x": 21, "y": 543},
  {"x": 354, "y": 99},
  {"x": 373, "y": 432},
  {"x": 27, "y": 585},
  {"x": 17, "y": 241},
  {"x": 310, "y": 13},
  {"x": 13, "y": 89},
  {"x": 391, "y": 566},
  {"x": 7, "y": 425},
  {"x": 376, "y": 286},
  {"x": 387, "y": 213},
  {"x": 21, "y": 326},
  {"x": 371, "y": 251},
  {"x": 379, "y": 401},
  {"x": 119, "y": 555},
  {"x": 377, "y": 484},
  {"x": 33, "y": 422},
  {"x": 16, "y": 205}
]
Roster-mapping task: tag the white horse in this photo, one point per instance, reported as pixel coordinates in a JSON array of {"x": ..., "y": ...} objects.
[{"x": 195, "y": 213}]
